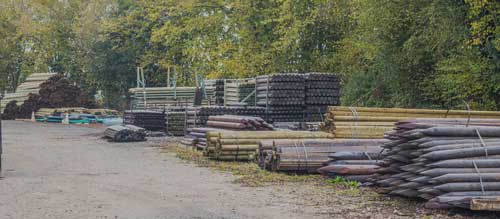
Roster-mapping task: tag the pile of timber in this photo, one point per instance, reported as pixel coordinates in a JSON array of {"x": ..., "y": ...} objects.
[
  {"x": 239, "y": 91},
  {"x": 175, "y": 122},
  {"x": 372, "y": 123},
  {"x": 218, "y": 86},
  {"x": 162, "y": 97},
  {"x": 322, "y": 90},
  {"x": 448, "y": 162},
  {"x": 198, "y": 116},
  {"x": 238, "y": 123},
  {"x": 197, "y": 138},
  {"x": 244, "y": 145},
  {"x": 125, "y": 133},
  {"x": 308, "y": 155},
  {"x": 149, "y": 120},
  {"x": 30, "y": 86},
  {"x": 283, "y": 96}
]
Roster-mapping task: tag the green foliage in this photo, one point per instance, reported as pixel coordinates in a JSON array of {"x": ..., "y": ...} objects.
[{"x": 341, "y": 181}]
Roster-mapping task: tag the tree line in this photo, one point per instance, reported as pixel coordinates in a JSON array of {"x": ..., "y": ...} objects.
[{"x": 389, "y": 53}]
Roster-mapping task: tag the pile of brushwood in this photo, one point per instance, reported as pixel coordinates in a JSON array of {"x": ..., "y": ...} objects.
[{"x": 56, "y": 92}]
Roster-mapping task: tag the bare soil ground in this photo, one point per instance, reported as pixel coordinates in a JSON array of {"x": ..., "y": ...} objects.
[{"x": 58, "y": 171}]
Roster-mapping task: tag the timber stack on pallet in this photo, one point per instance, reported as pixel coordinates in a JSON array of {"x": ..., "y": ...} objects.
[
  {"x": 243, "y": 145},
  {"x": 283, "y": 96},
  {"x": 125, "y": 133},
  {"x": 371, "y": 123},
  {"x": 449, "y": 162},
  {"x": 149, "y": 120},
  {"x": 308, "y": 155},
  {"x": 198, "y": 116},
  {"x": 237, "y": 90},
  {"x": 322, "y": 90},
  {"x": 162, "y": 97},
  {"x": 30, "y": 86}
]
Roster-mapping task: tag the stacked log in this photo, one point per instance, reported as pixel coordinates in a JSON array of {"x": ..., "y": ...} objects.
[
  {"x": 198, "y": 116},
  {"x": 283, "y": 96},
  {"x": 30, "y": 86},
  {"x": 149, "y": 120},
  {"x": 356, "y": 164},
  {"x": 370, "y": 123},
  {"x": 307, "y": 155},
  {"x": 321, "y": 91},
  {"x": 445, "y": 161},
  {"x": 238, "y": 123},
  {"x": 176, "y": 123},
  {"x": 239, "y": 91},
  {"x": 125, "y": 133},
  {"x": 218, "y": 86},
  {"x": 161, "y": 97},
  {"x": 10, "y": 111},
  {"x": 197, "y": 138},
  {"x": 243, "y": 145}
]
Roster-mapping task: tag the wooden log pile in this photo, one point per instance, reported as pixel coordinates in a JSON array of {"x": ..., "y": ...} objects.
[
  {"x": 448, "y": 162},
  {"x": 283, "y": 96},
  {"x": 243, "y": 145},
  {"x": 218, "y": 86},
  {"x": 237, "y": 90},
  {"x": 197, "y": 138},
  {"x": 238, "y": 123},
  {"x": 175, "y": 122},
  {"x": 149, "y": 120},
  {"x": 125, "y": 133},
  {"x": 30, "y": 86},
  {"x": 161, "y": 97},
  {"x": 198, "y": 116},
  {"x": 370, "y": 123},
  {"x": 307, "y": 155},
  {"x": 322, "y": 90}
]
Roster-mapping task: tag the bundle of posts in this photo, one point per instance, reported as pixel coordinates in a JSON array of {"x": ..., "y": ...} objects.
[
  {"x": 448, "y": 162},
  {"x": 322, "y": 90},
  {"x": 150, "y": 120},
  {"x": 197, "y": 138},
  {"x": 218, "y": 86},
  {"x": 30, "y": 86},
  {"x": 243, "y": 145},
  {"x": 175, "y": 122},
  {"x": 283, "y": 96},
  {"x": 371, "y": 123},
  {"x": 238, "y": 123},
  {"x": 198, "y": 116},
  {"x": 239, "y": 91},
  {"x": 125, "y": 133},
  {"x": 161, "y": 97},
  {"x": 308, "y": 155}
]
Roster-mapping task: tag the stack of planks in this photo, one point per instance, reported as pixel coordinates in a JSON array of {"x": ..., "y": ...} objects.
[
  {"x": 283, "y": 96},
  {"x": 243, "y": 145},
  {"x": 125, "y": 133},
  {"x": 149, "y": 120},
  {"x": 238, "y": 123},
  {"x": 322, "y": 90},
  {"x": 308, "y": 155},
  {"x": 372, "y": 123},
  {"x": 161, "y": 97},
  {"x": 448, "y": 162}
]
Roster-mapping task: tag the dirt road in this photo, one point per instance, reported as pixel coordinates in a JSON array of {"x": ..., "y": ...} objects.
[{"x": 57, "y": 171}]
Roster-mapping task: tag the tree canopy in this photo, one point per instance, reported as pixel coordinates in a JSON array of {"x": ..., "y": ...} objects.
[{"x": 389, "y": 53}]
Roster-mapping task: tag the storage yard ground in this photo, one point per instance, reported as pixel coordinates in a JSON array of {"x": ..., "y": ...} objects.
[{"x": 59, "y": 171}]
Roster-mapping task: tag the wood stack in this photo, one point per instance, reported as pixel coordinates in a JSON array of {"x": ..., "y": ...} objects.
[
  {"x": 162, "y": 97},
  {"x": 176, "y": 122},
  {"x": 283, "y": 96},
  {"x": 239, "y": 91},
  {"x": 371, "y": 123},
  {"x": 30, "y": 86},
  {"x": 448, "y": 162},
  {"x": 307, "y": 155},
  {"x": 322, "y": 90},
  {"x": 149, "y": 120},
  {"x": 238, "y": 123},
  {"x": 218, "y": 86},
  {"x": 243, "y": 145},
  {"x": 125, "y": 133},
  {"x": 198, "y": 116},
  {"x": 197, "y": 138}
]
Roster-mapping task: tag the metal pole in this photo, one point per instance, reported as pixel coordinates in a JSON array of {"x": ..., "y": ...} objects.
[{"x": 1, "y": 149}]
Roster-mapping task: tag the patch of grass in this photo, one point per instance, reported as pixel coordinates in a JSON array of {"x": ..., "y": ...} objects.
[{"x": 249, "y": 174}]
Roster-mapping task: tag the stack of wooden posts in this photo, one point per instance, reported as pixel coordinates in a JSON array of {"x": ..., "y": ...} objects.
[
  {"x": 322, "y": 90},
  {"x": 243, "y": 145},
  {"x": 197, "y": 138},
  {"x": 239, "y": 90},
  {"x": 161, "y": 97},
  {"x": 218, "y": 86},
  {"x": 238, "y": 123},
  {"x": 125, "y": 133},
  {"x": 448, "y": 162},
  {"x": 149, "y": 120},
  {"x": 176, "y": 121},
  {"x": 371, "y": 123},
  {"x": 283, "y": 96},
  {"x": 198, "y": 116},
  {"x": 307, "y": 155},
  {"x": 30, "y": 86}
]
